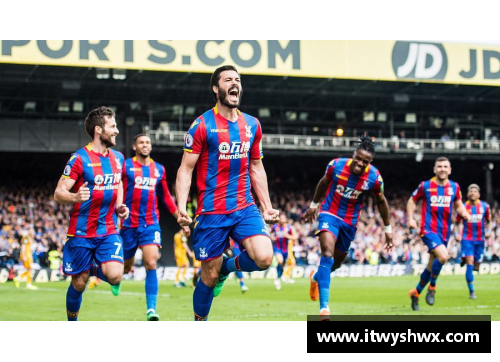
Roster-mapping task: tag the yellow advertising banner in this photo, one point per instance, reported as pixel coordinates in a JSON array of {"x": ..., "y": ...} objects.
[{"x": 439, "y": 62}]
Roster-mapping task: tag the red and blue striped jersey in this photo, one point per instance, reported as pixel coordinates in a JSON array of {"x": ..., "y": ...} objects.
[
  {"x": 437, "y": 206},
  {"x": 142, "y": 186},
  {"x": 279, "y": 231},
  {"x": 96, "y": 216},
  {"x": 474, "y": 229},
  {"x": 225, "y": 149},
  {"x": 344, "y": 197}
]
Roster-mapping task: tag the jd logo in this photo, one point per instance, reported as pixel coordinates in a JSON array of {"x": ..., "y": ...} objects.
[{"x": 418, "y": 60}]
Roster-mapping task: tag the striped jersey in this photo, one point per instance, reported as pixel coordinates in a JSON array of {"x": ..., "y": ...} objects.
[
  {"x": 142, "y": 186},
  {"x": 474, "y": 229},
  {"x": 96, "y": 216},
  {"x": 225, "y": 150},
  {"x": 437, "y": 205},
  {"x": 279, "y": 231},
  {"x": 344, "y": 196}
]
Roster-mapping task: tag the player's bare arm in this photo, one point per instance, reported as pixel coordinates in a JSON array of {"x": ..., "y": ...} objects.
[
  {"x": 64, "y": 196},
  {"x": 383, "y": 208},
  {"x": 311, "y": 214},
  {"x": 462, "y": 210},
  {"x": 258, "y": 178},
  {"x": 460, "y": 229},
  {"x": 183, "y": 185},
  {"x": 410, "y": 211},
  {"x": 121, "y": 209}
]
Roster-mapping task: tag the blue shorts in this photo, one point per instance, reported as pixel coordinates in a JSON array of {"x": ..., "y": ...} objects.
[
  {"x": 80, "y": 253},
  {"x": 212, "y": 231},
  {"x": 279, "y": 251},
  {"x": 343, "y": 232},
  {"x": 472, "y": 248},
  {"x": 433, "y": 240},
  {"x": 134, "y": 238}
]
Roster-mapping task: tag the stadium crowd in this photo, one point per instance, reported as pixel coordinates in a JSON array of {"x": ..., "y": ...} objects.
[{"x": 34, "y": 208}]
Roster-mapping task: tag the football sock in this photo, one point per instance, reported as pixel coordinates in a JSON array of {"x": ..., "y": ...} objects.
[
  {"x": 96, "y": 271},
  {"x": 239, "y": 274},
  {"x": 435, "y": 270},
  {"x": 73, "y": 302},
  {"x": 202, "y": 300},
  {"x": 177, "y": 275},
  {"x": 470, "y": 277},
  {"x": 322, "y": 276},
  {"x": 151, "y": 289},
  {"x": 242, "y": 262},
  {"x": 183, "y": 277},
  {"x": 280, "y": 270},
  {"x": 424, "y": 279}
]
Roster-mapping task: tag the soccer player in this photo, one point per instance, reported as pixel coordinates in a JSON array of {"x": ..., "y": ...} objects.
[
  {"x": 290, "y": 264},
  {"x": 474, "y": 233},
  {"x": 281, "y": 234},
  {"x": 224, "y": 144},
  {"x": 344, "y": 185},
  {"x": 26, "y": 257},
  {"x": 439, "y": 195},
  {"x": 91, "y": 181},
  {"x": 144, "y": 182},
  {"x": 181, "y": 251}
]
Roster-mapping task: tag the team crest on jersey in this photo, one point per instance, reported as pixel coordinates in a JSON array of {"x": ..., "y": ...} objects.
[
  {"x": 68, "y": 267},
  {"x": 203, "y": 254},
  {"x": 118, "y": 164},
  {"x": 248, "y": 130},
  {"x": 365, "y": 186},
  {"x": 189, "y": 140},
  {"x": 67, "y": 170},
  {"x": 450, "y": 191},
  {"x": 325, "y": 225},
  {"x": 157, "y": 173}
]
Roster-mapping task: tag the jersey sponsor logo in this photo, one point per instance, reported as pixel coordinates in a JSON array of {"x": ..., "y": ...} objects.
[
  {"x": 440, "y": 201},
  {"x": 234, "y": 151},
  {"x": 203, "y": 253},
  {"x": 248, "y": 131},
  {"x": 67, "y": 170},
  {"x": 145, "y": 183},
  {"x": 189, "y": 140},
  {"x": 219, "y": 130},
  {"x": 108, "y": 181},
  {"x": 97, "y": 164},
  {"x": 348, "y": 193},
  {"x": 116, "y": 257},
  {"x": 476, "y": 218}
]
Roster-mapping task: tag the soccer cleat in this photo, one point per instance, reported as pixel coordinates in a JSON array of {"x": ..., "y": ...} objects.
[
  {"x": 414, "y": 299},
  {"x": 178, "y": 285},
  {"x": 324, "y": 315},
  {"x": 473, "y": 296},
  {"x": 31, "y": 287},
  {"x": 182, "y": 284},
  {"x": 152, "y": 315},
  {"x": 462, "y": 263},
  {"x": 313, "y": 288},
  {"x": 277, "y": 284},
  {"x": 430, "y": 297},
  {"x": 92, "y": 284},
  {"x": 244, "y": 288},
  {"x": 115, "y": 289},
  {"x": 16, "y": 282}
]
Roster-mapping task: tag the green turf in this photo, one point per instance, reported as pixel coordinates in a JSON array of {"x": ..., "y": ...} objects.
[{"x": 376, "y": 295}]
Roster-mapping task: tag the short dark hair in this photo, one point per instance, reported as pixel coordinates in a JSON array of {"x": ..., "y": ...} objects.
[
  {"x": 140, "y": 135},
  {"x": 96, "y": 118},
  {"x": 441, "y": 159},
  {"x": 214, "y": 79},
  {"x": 366, "y": 143}
]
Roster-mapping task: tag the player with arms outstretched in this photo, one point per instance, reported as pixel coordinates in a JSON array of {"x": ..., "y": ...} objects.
[
  {"x": 344, "y": 184},
  {"x": 439, "y": 195},
  {"x": 225, "y": 146},
  {"x": 472, "y": 234},
  {"x": 144, "y": 182},
  {"x": 91, "y": 181}
]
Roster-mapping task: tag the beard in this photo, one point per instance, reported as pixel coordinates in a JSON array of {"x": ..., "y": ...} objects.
[
  {"x": 143, "y": 154},
  {"x": 106, "y": 140},
  {"x": 223, "y": 98}
]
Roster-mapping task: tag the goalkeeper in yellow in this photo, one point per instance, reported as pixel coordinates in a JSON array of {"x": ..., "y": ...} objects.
[
  {"x": 181, "y": 252},
  {"x": 27, "y": 259}
]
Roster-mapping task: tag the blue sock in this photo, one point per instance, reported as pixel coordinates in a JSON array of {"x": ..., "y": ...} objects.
[
  {"x": 73, "y": 302},
  {"x": 151, "y": 289},
  {"x": 96, "y": 271},
  {"x": 242, "y": 283},
  {"x": 202, "y": 300},
  {"x": 435, "y": 270},
  {"x": 239, "y": 274},
  {"x": 322, "y": 276},
  {"x": 242, "y": 262},
  {"x": 280, "y": 270},
  {"x": 470, "y": 277},
  {"x": 424, "y": 279}
]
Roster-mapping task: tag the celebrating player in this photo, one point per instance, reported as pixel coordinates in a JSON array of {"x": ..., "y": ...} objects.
[
  {"x": 91, "y": 181},
  {"x": 345, "y": 182},
  {"x": 439, "y": 195},
  {"x": 181, "y": 251},
  {"x": 143, "y": 180},
  {"x": 224, "y": 143},
  {"x": 281, "y": 234},
  {"x": 474, "y": 233}
]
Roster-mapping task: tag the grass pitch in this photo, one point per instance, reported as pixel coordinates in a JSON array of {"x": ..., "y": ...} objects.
[{"x": 377, "y": 295}]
